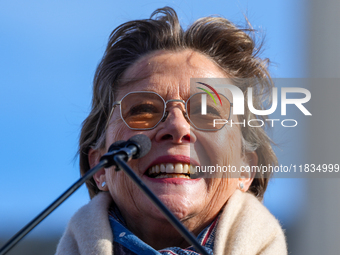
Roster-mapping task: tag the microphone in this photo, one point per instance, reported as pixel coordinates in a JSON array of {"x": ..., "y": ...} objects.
[
  {"x": 117, "y": 145},
  {"x": 136, "y": 147}
]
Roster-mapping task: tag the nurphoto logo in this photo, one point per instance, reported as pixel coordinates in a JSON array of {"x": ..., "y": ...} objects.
[{"x": 238, "y": 105}]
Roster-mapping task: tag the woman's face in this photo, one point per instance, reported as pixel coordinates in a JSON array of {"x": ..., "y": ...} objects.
[{"x": 174, "y": 141}]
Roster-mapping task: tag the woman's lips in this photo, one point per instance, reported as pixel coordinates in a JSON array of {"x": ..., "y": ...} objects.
[
  {"x": 172, "y": 180},
  {"x": 171, "y": 167},
  {"x": 173, "y": 159}
]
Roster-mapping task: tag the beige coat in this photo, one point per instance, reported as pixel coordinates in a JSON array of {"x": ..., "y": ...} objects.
[{"x": 246, "y": 227}]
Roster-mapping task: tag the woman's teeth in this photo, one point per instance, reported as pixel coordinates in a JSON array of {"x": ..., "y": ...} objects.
[{"x": 169, "y": 170}]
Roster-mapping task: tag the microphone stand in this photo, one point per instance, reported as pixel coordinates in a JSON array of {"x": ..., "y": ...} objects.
[{"x": 119, "y": 157}]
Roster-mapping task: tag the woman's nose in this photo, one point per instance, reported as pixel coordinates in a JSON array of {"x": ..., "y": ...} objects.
[{"x": 174, "y": 126}]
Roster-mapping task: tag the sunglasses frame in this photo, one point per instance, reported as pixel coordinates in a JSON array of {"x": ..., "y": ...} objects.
[{"x": 164, "y": 110}]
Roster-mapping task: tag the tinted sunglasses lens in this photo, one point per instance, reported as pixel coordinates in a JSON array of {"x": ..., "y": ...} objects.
[
  {"x": 142, "y": 110},
  {"x": 203, "y": 111}
]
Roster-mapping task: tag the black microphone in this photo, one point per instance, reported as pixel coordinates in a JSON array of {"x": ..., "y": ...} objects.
[
  {"x": 117, "y": 145},
  {"x": 136, "y": 147}
]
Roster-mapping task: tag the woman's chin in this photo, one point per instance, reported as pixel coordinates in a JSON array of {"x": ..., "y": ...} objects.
[
  {"x": 181, "y": 196},
  {"x": 181, "y": 205}
]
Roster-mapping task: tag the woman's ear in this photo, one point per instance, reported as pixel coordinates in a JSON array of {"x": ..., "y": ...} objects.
[
  {"x": 94, "y": 157},
  {"x": 247, "y": 175},
  {"x": 99, "y": 177}
]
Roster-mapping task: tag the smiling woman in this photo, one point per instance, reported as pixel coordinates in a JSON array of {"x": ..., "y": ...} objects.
[{"x": 142, "y": 85}]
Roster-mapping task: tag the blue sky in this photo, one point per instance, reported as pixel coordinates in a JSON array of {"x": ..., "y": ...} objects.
[{"x": 49, "y": 51}]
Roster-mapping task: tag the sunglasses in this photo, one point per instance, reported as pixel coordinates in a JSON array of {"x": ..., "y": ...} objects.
[{"x": 144, "y": 110}]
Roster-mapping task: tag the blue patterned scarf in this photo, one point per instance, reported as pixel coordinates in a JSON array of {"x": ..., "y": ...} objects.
[{"x": 126, "y": 243}]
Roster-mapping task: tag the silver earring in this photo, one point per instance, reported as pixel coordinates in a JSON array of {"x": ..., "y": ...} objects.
[
  {"x": 103, "y": 184},
  {"x": 241, "y": 185}
]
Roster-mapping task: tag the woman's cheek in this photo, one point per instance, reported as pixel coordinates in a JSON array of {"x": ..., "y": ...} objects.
[
  {"x": 120, "y": 186},
  {"x": 116, "y": 131},
  {"x": 221, "y": 147}
]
